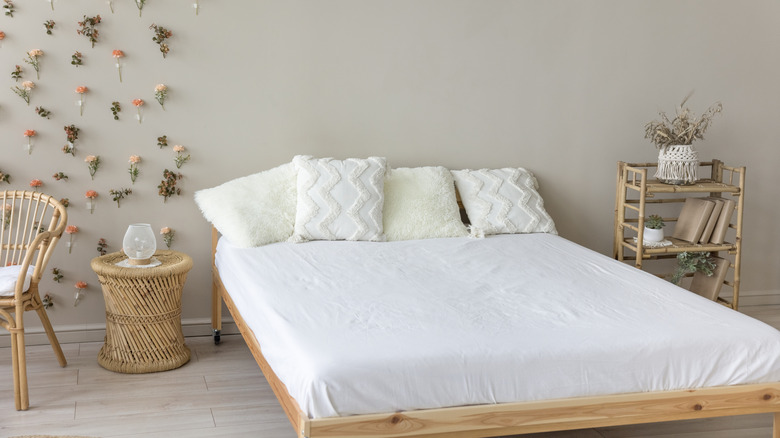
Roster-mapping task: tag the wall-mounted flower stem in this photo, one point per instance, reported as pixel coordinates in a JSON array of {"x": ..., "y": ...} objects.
[
  {"x": 162, "y": 141},
  {"x": 161, "y": 34},
  {"x": 34, "y": 184},
  {"x": 91, "y": 195},
  {"x": 75, "y": 59},
  {"x": 60, "y": 176},
  {"x": 161, "y": 93},
  {"x": 180, "y": 158},
  {"x": 80, "y": 286},
  {"x": 167, "y": 187},
  {"x": 43, "y": 112},
  {"x": 119, "y": 194},
  {"x": 81, "y": 90},
  {"x": 71, "y": 230},
  {"x": 93, "y": 164},
  {"x": 9, "y": 8},
  {"x": 110, "y": 5},
  {"x": 168, "y": 234},
  {"x": 138, "y": 103},
  {"x": 25, "y": 91},
  {"x": 196, "y": 5},
  {"x": 133, "y": 169},
  {"x": 118, "y": 54},
  {"x": 88, "y": 28},
  {"x": 57, "y": 274},
  {"x": 32, "y": 59},
  {"x": 115, "y": 110},
  {"x": 49, "y": 25},
  {"x": 16, "y": 74},
  {"x": 8, "y": 210},
  {"x": 102, "y": 246},
  {"x": 72, "y": 134},
  {"x": 29, "y": 134},
  {"x": 140, "y": 5},
  {"x": 51, "y": 3}
]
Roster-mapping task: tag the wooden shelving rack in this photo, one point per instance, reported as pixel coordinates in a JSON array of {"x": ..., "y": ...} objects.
[{"x": 635, "y": 193}]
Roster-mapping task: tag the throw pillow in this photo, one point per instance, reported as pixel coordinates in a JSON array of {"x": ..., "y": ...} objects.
[
  {"x": 503, "y": 201},
  {"x": 420, "y": 203},
  {"x": 339, "y": 199}
]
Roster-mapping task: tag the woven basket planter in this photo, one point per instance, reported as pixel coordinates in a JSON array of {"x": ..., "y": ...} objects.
[{"x": 678, "y": 165}]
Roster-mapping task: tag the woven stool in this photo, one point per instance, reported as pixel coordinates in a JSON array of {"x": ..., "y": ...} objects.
[{"x": 143, "y": 313}]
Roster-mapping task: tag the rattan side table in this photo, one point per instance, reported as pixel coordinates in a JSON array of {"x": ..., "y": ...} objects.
[{"x": 143, "y": 313}]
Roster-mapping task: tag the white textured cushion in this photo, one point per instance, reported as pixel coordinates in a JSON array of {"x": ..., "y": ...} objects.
[
  {"x": 339, "y": 199},
  {"x": 501, "y": 201},
  {"x": 8, "y": 277},
  {"x": 420, "y": 203},
  {"x": 253, "y": 210}
]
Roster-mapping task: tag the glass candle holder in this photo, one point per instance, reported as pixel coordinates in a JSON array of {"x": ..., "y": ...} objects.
[{"x": 139, "y": 244}]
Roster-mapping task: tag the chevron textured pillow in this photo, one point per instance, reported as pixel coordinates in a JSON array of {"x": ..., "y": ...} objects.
[
  {"x": 339, "y": 199},
  {"x": 502, "y": 201}
]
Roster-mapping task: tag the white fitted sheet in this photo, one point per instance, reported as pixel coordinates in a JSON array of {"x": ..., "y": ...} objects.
[{"x": 363, "y": 327}]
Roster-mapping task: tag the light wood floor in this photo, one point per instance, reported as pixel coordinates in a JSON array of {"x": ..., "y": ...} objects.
[{"x": 221, "y": 393}]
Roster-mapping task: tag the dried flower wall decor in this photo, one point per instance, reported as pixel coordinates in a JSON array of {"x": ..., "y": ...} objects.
[
  {"x": 60, "y": 176},
  {"x": 8, "y": 210},
  {"x": 72, "y": 134},
  {"x": 34, "y": 184},
  {"x": 65, "y": 202},
  {"x": 32, "y": 59},
  {"x": 80, "y": 286},
  {"x": 5, "y": 177},
  {"x": 161, "y": 34},
  {"x": 162, "y": 141},
  {"x": 25, "y": 91},
  {"x": 93, "y": 164},
  {"x": 115, "y": 109},
  {"x": 47, "y": 301},
  {"x": 119, "y": 194},
  {"x": 110, "y": 5},
  {"x": 167, "y": 187},
  {"x": 49, "y": 25},
  {"x": 88, "y": 28}
]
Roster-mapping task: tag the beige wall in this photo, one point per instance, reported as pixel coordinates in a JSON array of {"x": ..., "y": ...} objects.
[{"x": 560, "y": 87}]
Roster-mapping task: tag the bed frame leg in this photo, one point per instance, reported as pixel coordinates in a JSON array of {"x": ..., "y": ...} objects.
[
  {"x": 776, "y": 425},
  {"x": 215, "y": 333}
]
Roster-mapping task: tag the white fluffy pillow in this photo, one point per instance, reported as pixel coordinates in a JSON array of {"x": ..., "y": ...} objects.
[
  {"x": 253, "y": 210},
  {"x": 339, "y": 199},
  {"x": 420, "y": 203},
  {"x": 501, "y": 201}
]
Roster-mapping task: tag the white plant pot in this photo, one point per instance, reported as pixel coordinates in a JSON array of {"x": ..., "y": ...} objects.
[
  {"x": 677, "y": 164},
  {"x": 653, "y": 235}
]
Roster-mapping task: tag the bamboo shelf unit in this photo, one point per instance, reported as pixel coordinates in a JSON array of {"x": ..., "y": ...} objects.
[{"x": 635, "y": 193}]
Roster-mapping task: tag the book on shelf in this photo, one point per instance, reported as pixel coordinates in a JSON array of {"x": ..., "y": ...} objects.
[
  {"x": 693, "y": 218},
  {"x": 724, "y": 220},
  {"x": 707, "y": 233},
  {"x": 709, "y": 286}
]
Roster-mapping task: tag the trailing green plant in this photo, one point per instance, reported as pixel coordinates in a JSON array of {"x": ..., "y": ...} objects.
[
  {"x": 690, "y": 262},
  {"x": 654, "y": 222},
  {"x": 683, "y": 129}
]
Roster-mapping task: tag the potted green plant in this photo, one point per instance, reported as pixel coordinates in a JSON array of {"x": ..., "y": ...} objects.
[
  {"x": 690, "y": 262},
  {"x": 678, "y": 162},
  {"x": 654, "y": 229}
]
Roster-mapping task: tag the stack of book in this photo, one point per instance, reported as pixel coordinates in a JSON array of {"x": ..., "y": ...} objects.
[{"x": 706, "y": 220}]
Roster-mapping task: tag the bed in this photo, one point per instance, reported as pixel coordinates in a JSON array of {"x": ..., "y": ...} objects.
[
  {"x": 575, "y": 374},
  {"x": 505, "y": 328}
]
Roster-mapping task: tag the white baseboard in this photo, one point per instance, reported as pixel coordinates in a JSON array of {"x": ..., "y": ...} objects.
[{"x": 68, "y": 334}]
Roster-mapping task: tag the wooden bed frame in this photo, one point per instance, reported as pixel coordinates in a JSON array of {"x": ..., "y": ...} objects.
[{"x": 508, "y": 418}]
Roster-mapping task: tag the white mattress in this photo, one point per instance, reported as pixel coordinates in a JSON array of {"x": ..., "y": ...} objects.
[{"x": 361, "y": 327}]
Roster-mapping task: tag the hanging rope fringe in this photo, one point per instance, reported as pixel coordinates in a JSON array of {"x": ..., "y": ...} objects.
[{"x": 677, "y": 164}]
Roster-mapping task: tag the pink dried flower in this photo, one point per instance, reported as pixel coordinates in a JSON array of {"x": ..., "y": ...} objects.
[
  {"x": 91, "y": 194},
  {"x": 36, "y": 183},
  {"x": 71, "y": 229},
  {"x": 138, "y": 102},
  {"x": 118, "y": 54},
  {"x": 81, "y": 89},
  {"x": 81, "y": 285},
  {"x": 30, "y": 133}
]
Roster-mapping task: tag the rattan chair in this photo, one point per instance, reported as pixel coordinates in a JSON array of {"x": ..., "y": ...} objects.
[{"x": 31, "y": 225}]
